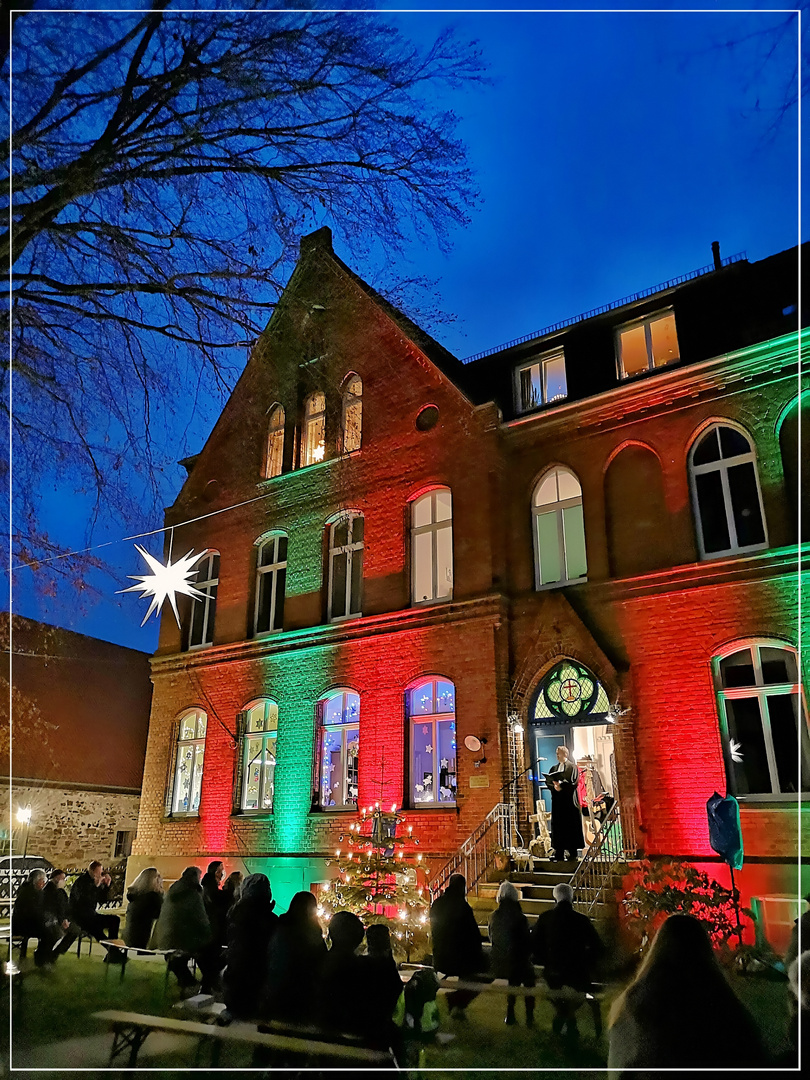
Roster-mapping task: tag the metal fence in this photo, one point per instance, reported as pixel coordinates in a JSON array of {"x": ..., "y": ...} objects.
[
  {"x": 594, "y": 874},
  {"x": 478, "y": 850},
  {"x": 16, "y": 869}
]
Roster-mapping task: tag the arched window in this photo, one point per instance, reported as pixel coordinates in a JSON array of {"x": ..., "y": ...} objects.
[
  {"x": 271, "y": 580},
  {"x": 188, "y": 766},
  {"x": 558, "y": 530},
  {"x": 346, "y": 567},
  {"x": 637, "y": 529},
  {"x": 795, "y": 453},
  {"x": 340, "y": 749},
  {"x": 431, "y": 707},
  {"x": 203, "y": 609},
  {"x": 725, "y": 493},
  {"x": 258, "y": 729},
  {"x": 762, "y": 722},
  {"x": 432, "y": 547},
  {"x": 352, "y": 425},
  {"x": 275, "y": 443},
  {"x": 314, "y": 442}
]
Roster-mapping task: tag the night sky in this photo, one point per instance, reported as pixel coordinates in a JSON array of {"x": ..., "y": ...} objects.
[{"x": 610, "y": 150}]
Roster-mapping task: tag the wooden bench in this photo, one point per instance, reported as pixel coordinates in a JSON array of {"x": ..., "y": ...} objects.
[
  {"x": 541, "y": 990},
  {"x": 130, "y": 1030}
]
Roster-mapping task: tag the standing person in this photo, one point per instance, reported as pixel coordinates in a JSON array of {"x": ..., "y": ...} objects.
[
  {"x": 457, "y": 946},
  {"x": 88, "y": 891},
  {"x": 566, "y": 813},
  {"x": 251, "y": 925},
  {"x": 28, "y": 918},
  {"x": 566, "y": 943},
  {"x": 216, "y": 901},
  {"x": 145, "y": 900},
  {"x": 232, "y": 888},
  {"x": 57, "y": 911},
  {"x": 510, "y": 954},
  {"x": 183, "y": 928},
  {"x": 679, "y": 1011},
  {"x": 294, "y": 959}
]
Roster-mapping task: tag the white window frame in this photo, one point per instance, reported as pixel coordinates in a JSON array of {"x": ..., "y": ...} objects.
[
  {"x": 274, "y": 453},
  {"x": 313, "y": 448},
  {"x": 433, "y": 528},
  {"x": 348, "y": 802},
  {"x": 557, "y": 509},
  {"x": 646, "y": 322},
  {"x": 722, "y": 465},
  {"x": 541, "y": 363},
  {"x": 207, "y": 582},
  {"x": 433, "y": 719},
  {"x": 351, "y": 399},
  {"x": 271, "y": 568},
  {"x": 267, "y": 734},
  {"x": 352, "y": 550},
  {"x": 197, "y": 747},
  {"x": 760, "y": 690}
]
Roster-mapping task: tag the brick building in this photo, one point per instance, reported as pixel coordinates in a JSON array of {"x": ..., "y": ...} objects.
[{"x": 586, "y": 536}]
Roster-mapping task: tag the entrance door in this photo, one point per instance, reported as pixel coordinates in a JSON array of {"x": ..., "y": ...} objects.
[{"x": 545, "y": 755}]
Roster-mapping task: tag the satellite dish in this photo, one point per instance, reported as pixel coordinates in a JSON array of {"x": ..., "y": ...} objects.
[{"x": 473, "y": 744}]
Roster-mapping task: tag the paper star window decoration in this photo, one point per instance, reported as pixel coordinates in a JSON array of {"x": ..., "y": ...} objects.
[
  {"x": 428, "y": 749},
  {"x": 165, "y": 582},
  {"x": 735, "y": 749},
  {"x": 443, "y": 763}
]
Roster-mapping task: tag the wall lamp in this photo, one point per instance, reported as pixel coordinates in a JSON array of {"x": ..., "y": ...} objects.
[{"x": 474, "y": 745}]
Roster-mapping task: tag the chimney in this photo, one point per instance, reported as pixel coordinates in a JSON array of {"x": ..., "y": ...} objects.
[{"x": 718, "y": 262}]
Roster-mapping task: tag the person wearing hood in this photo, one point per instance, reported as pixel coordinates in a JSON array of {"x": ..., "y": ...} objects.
[
  {"x": 216, "y": 900},
  {"x": 457, "y": 945},
  {"x": 251, "y": 925},
  {"x": 183, "y": 928},
  {"x": 294, "y": 959},
  {"x": 340, "y": 988},
  {"x": 510, "y": 954},
  {"x": 145, "y": 900}
]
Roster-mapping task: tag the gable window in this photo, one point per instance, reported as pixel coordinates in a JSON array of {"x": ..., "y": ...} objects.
[
  {"x": 275, "y": 443},
  {"x": 558, "y": 529},
  {"x": 647, "y": 344},
  {"x": 314, "y": 442},
  {"x": 352, "y": 425},
  {"x": 271, "y": 580},
  {"x": 763, "y": 725},
  {"x": 432, "y": 547},
  {"x": 203, "y": 609},
  {"x": 431, "y": 707},
  {"x": 541, "y": 382},
  {"x": 340, "y": 750},
  {"x": 258, "y": 726},
  {"x": 188, "y": 766},
  {"x": 725, "y": 493},
  {"x": 346, "y": 567}
]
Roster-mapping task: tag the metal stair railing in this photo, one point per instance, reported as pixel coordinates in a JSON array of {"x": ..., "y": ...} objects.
[
  {"x": 477, "y": 852},
  {"x": 596, "y": 869}
]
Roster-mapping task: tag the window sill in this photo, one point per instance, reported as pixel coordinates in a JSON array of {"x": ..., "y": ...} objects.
[
  {"x": 645, "y": 374},
  {"x": 431, "y": 808},
  {"x": 544, "y": 406},
  {"x": 734, "y": 552},
  {"x": 772, "y": 801},
  {"x": 561, "y": 584},
  {"x": 437, "y": 602},
  {"x": 169, "y": 819},
  {"x": 318, "y": 810},
  {"x": 251, "y": 815},
  {"x": 200, "y": 647}
]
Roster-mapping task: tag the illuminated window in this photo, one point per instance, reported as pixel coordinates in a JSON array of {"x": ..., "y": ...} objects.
[
  {"x": 340, "y": 750},
  {"x": 314, "y": 442},
  {"x": 275, "y": 443},
  {"x": 725, "y": 493},
  {"x": 431, "y": 707},
  {"x": 763, "y": 722},
  {"x": 432, "y": 547},
  {"x": 203, "y": 610},
  {"x": 558, "y": 530},
  {"x": 271, "y": 580},
  {"x": 647, "y": 344},
  {"x": 541, "y": 382},
  {"x": 346, "y": 567},
  {"x": 188, "y": 767},
  {"x": 258, "y": 728},
  {"x": 352, "y": 414}
]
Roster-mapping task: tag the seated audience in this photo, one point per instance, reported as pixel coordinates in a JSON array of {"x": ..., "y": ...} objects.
[
  {"x": 216, "y": 901},
  {"x": 231, "y": 889},
  {"x": 509, "y": 957},
  {"x": 90, "y": 889},
  {"x": 251, "y": 924},
  {"x": 457, "y": 945},
  {"x": 383, "y": 992},
  {"x": 28, "y": 918},
  {"x": 57, "y": 911},
  {"x": 798, "y": 1004},
  {"x": 342, "y": 1005},
  {"x": 294, "y": 959},
  {"x": 183, "y": 928},
  {"x": 145, "y": 900}
]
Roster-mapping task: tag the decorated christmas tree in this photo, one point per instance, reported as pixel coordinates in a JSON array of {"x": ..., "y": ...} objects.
[{"x": 379, "y": 878}]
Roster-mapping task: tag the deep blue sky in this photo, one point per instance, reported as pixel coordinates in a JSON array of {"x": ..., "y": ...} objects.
[{"x": 610, "y": 150}]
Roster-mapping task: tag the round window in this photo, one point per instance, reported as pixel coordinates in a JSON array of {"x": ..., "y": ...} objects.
[{"x": 427, "y": 418}]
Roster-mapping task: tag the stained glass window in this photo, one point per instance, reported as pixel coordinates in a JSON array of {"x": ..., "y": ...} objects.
[{"x": 570, "y": 692}]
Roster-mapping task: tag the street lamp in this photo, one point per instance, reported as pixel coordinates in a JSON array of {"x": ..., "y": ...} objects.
[{"x": 24, "y": 818}]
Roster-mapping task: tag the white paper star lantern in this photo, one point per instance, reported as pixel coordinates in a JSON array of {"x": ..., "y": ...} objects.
[
  {"x": 165, "y": 582},
  {"x": 735, "y": 750}
]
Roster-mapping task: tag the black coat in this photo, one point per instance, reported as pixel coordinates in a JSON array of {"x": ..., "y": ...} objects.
[
  {"x": 217, "y": 902},
  {"x": 568, "y": 946},
  {"x": 183, "y": 924},
  {"x": 457, "y": 946},
  {"x": 28, "y": 914},
  {"x": 85, "y": 896},
  {"x": 381, "y": 987},
  {"x": 342, "y": 1004},
  {"x": 509, "y": 934},
  {"x": 251, "y": 925},
  {"x": 566, "y": 813},
  {"x": 294, "y": 959},
  {"x": 142, "y": 910},
  {"x": 56, "y": 903}
]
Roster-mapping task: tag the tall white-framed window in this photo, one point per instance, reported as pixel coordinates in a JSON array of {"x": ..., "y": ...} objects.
[
  {"x": 431, "y": 709},
  {"x": 338, "y": 768},
  {"x": 274, "y": 458},
  {"x": 558, "y": 529},
  {"x": 258, "y": 731},
  {"x": 763, "y": 722},
  {"x": 313, "y": 444},
  {"x": 346, "y": 567},
  {"x": 647, "y": 344},
  {"x": 540, "y": 382},
  {"x": 271, "y": 581},
  {"x": 203, "y": 609},
  {"x": 188, "y": 763},
  {"x": 726, "y": 495},
  {"x": 432, "y": 546},
  {"x": 352, "y": 418}
]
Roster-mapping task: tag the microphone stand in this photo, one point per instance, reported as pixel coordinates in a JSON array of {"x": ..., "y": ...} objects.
[{"x": 509, "y": 784}]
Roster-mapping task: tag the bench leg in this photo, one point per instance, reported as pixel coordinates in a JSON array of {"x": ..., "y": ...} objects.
[
  {"x": 596, "y": 1012},
  {"x": 127, "y": 1038}
]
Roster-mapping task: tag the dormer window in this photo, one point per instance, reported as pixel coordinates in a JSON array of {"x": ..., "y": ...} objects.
[
  {"x": 647, "y": 344},
  {"x": 540, "y": 382}
]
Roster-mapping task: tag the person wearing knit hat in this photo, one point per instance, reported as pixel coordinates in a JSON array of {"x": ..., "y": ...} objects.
[{"x": 509, "y": 957}]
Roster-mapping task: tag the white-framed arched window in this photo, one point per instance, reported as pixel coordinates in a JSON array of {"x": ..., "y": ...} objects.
[
  {"x": 432, "y": 546},
  {"x": 558, "y": 529},
  {"x": 203, "y": 609},
  {"x": 431, "y": 709},
  {"x": 352, "y": 417},
  {"x": 274, "y": 458},
  {"x": 339, "y": 715},
  {"x": 346, "y": 567},
  {"x": 763, "y": 723},
  {"x": 313, "y": 444},
  {"x": 188, "y": 763},
  {"x": 271, "y": 581},
  {"x": 257, "y": 729},
  {"x": 726, "y": 495}
]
